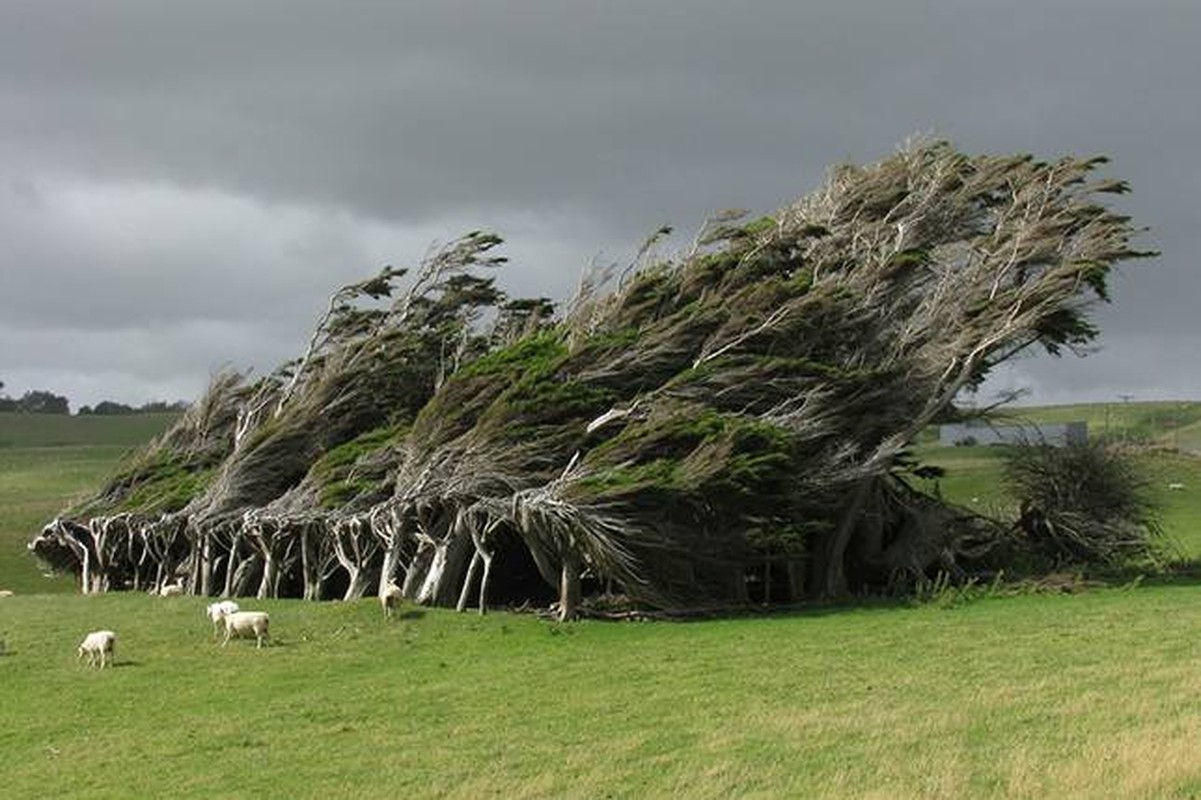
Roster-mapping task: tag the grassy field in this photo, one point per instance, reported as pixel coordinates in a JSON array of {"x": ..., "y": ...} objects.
[
  {"x": 46, "y": 461},
  {"x": 1091, "y": 695},
  {"x": 1096, "y": 694},
  {"x": 37, "y": 431}
]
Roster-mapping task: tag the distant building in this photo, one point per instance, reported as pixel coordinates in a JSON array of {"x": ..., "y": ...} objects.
[{"x": 981, "y": 432}]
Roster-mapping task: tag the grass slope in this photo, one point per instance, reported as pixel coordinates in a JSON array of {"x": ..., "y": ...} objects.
[
  {"x": 46, "y": 460},
  {"x": 1031, "y": 696}
]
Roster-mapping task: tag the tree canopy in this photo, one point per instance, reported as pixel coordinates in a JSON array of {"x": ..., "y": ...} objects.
[{"x": 727, "y": 424}]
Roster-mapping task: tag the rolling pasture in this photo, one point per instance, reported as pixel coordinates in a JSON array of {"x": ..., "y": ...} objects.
[
  {"x": 973, "y": 694},
  {"x": 46, "y": 460}
]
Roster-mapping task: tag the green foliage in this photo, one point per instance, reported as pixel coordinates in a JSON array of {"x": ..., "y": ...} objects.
[
  {"x": 539, "y": 354},
  {"x": 606, "y": 344},
  {"x": 760, "y": 225},
  {"x": 519, "y": 380},
  {"x": 652, "y": 294},
  {"x": 340, "y": 493},
  {"x": 163, "y": 485},
  {"x": 540, "y": 400},
  {"x": 343, "y": 457},
  {"x": 347, "y": 471},
  {"x": 698, "y": 457}
]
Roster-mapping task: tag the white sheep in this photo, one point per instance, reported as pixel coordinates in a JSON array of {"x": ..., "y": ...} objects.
[
  {"x": 218, "y": 611},
  {"x": 171, "y": 590},
  {"x": 98, "y": 645},
  {"x": 1175, "y": 487},
  {"x": 6, "y": 592},
  {"x": 241, "y": 623},
  {"x": 390, "y": 599}
]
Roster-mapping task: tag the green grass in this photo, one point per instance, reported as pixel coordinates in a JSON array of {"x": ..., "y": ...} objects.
[
  {"x": 1031, "y": 696},
  {"x": 58, "y": 430},
  {"x": 47, "y": 461}
]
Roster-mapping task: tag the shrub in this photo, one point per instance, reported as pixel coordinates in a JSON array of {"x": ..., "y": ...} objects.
[{"x": 1083, "y": 503}]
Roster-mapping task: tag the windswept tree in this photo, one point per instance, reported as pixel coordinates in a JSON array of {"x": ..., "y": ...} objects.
[{"x": 735, "y": 416}]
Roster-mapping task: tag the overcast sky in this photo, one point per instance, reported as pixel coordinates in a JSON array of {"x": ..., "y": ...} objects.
[{"x": 182, "y": 184}]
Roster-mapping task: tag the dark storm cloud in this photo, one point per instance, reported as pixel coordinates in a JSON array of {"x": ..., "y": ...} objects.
[{"x": 165, "y": 163}]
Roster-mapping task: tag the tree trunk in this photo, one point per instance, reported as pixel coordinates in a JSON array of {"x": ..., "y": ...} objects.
[
  {"x": 415, "y": 576},
  {"x": 206, "y": 564},
  {"x": 267, "y": 584},
  {"x": 459, "y": 553},
  {"x": 358, "y": 584},
  {"x": 391, "y": 562},
  {"x": 484, "y": 582},
  {"x": 831, "y": 576},
  {"x": 310, "y": 563},
  {"x": 232, "y": 567},
  {"x": 465, "y": 593},
  {"x": 355, "y": 545},
  {"x": 569, "y": 587},
  {"x": 433, "y": 573},
  {"x": 243, "y": 576},
  {"x": 210, "y": 558},
  {"x": 85, "y": 578},
  {"x": 99, "y": 528}
]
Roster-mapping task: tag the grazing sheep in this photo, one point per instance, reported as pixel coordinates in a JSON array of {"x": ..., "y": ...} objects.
[
  {"x": 6, "y": 592},
  {"x": 98, "y": 645},
  {"x": 390, "y": 599},
  {"x": 171, "y": 590},
  {"x": 241, "y": 623},
  {"x": 218, "y": 611},
  {"x": 1175, "y": 487}
]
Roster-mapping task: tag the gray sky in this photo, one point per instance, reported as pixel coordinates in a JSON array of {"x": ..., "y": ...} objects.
[{"x": 183, "y": 184}]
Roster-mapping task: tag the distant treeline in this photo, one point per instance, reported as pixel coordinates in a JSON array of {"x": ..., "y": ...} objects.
[
  {"x": 107, "y": 407},
  {"x": 36, "y": 402},
  {"x": 40, "y": 401}
]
